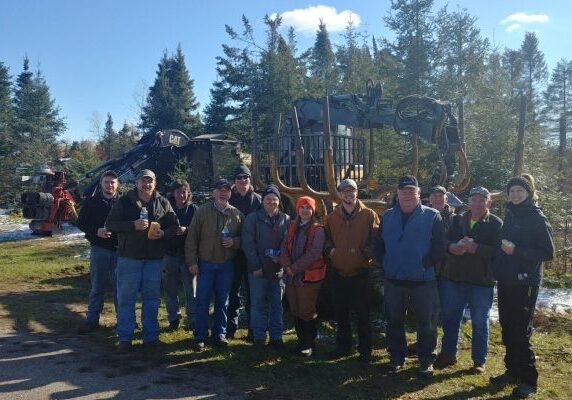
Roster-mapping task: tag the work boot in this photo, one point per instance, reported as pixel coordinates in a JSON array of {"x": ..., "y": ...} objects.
[
  {"x": 444, "y": 360},
  {"x": 524, "y": 390},
  {"x": 425, "y": 369},
  {"x": 87, "y": 327},
  {"x": 199, "y": 346},
  {"x": 173, "y": 325},
  {"x": 503, "y": 380},
  {"x": 220, "y": 341},
  {"x": 393, "y": 367}
]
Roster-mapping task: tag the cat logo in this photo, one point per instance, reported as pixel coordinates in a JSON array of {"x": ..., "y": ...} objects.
[{"x": 174, "y": 140}]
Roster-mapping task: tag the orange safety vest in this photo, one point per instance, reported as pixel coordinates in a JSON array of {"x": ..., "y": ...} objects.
[{"x": 317, "y": 270}]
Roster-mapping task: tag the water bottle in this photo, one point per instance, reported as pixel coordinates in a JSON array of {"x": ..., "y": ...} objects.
[
  {"x": 225, "y": 233},
  {"x": 144, "y": 214}
]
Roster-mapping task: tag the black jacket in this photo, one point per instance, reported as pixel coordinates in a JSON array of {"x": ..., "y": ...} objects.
[
  {"x": 133, "y": 243},
  {"x": 475, "y": 268},
  {"x": 92, "y": 216},
  {"x": 527, "y": 227},
  {"x": 251, "y": 201},
  {"x": 176, "y": 245}
]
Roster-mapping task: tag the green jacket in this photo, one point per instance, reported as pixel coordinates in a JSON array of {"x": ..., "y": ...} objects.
[
  {"x": 204, "y": 236},
  {"x": 133, "y": 243}
]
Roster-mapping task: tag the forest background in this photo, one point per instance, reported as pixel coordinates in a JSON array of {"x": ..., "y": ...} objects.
[{"x": 439, "y": 53}]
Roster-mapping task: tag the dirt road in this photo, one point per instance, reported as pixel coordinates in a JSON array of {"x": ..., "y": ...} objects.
[{"x": 36, "y": 366}]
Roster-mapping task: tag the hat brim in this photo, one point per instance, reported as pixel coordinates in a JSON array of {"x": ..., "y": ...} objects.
[
  {"x": 407, "y": 186},
  {"x": 223, "y": 186}
]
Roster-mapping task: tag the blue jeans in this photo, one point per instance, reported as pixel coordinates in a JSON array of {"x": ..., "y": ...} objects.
[
  {"x": 176, "y": 272},
  {"x": 455, "y": 296},
  {"x": 421, "y": 297},
  {"x": 134, "y": 275},
  {"x": 102, "y": 264},
  {"x": 215, "y": 277},
  {"x": 266, "y": 296}
]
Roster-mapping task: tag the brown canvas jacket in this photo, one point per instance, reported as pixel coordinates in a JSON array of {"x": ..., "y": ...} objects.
[{"x": 352, "y": 238}]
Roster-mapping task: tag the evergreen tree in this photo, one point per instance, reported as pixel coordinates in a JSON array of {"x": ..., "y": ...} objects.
[
  {"x": 109, "y": 145},
  {"x": 534, "y": 70},
  {"x": 37, "y": 116},
  {"x": 513, "y": 65},
  {"x": 6, "y": 112},
  {"x": 127, "y": 136},
  {"x": 460, "y": 58},
  {"x": 322, "y": 64},
  {"x": 171, "y": 103},
  {"x": 557, "y": 101},
  {"x": 386, "y": 68},
  {"x": 491, "y": 127},
  {"x": 414, "y": 45},
  {"x": 354, "y": 62},
  {"x": 37, "y": 121}
]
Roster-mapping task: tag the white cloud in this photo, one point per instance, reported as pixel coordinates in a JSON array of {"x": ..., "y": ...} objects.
[
  {"x": 524, "y": 18},
  {"x": 513, "y": 27},
  {"x": 306, "y": 20}
]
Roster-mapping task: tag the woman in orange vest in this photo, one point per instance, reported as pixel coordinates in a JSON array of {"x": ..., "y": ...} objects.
[{"x": 304, "y": 270}]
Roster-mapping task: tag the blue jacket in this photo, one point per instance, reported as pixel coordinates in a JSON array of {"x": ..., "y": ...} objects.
[
  {"x": 526, "y": 226},
  {"x": 410, "y": 251}
]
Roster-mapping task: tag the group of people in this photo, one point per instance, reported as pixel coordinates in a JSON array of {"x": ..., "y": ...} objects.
[{"x": 435, "y": 263}]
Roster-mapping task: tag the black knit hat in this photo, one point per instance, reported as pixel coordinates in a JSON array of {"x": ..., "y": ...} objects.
[
  {"x": 241, "y": 170},
  {"x": 271, "y": 189},
  {"x": 520, "y": 181}
]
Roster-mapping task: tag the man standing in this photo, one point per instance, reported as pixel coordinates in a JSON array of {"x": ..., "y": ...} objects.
[
  {"x": 438, "y": 200},
  {"x": 103, "y": 254},
  {"x": 246, "y": 200},
  {"x": 175, "y": 271},
  {"x": 467, "y": 279},
  {"x": 411, "y": 242},
  {"x": 350, "y": 230},
  {"x": 140, "y": 253},
  {"x": 211, "y": 245}
]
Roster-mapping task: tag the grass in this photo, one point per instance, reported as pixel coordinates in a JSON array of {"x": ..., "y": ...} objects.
[{"x": 43, "y": 288}]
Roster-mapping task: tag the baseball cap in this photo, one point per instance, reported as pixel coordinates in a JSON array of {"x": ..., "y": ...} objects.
[
  {"x": 407, "y": 181},
  {"x": 219, "y": 184},
  {"x": 479, "y": 190},
  {"x": 438, "y": 189},
  {"x": 146, "y": 173},
  {"x": 347, "y": 182}
]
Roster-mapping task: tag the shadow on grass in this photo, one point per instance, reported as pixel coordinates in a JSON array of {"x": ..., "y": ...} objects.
[{"x": 47, "y": 309}]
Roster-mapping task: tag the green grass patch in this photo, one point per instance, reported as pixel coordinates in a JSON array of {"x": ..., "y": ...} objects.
[{"x": 44, "y": 285}]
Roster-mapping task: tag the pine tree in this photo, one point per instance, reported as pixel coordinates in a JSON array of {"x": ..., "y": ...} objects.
[
  {"x": 386, "y": 68},
  {"x": 460, "y": 58},
  {"x": 557, "y": 101},
  {"x": 171, "y": 103},
  {"x": 322, "y": 64},
  {"x": 492, "y": 124},
  {"x": 109, "y": 145},
  {"x": 127, "y": 136},
  {"x": 6, "y": 112},
  {"x": 414, "y": 45},
  {"x": 534, "y": 70},
  {"x": 37, "y": 121},
  {"x": 513, "y": 65}
]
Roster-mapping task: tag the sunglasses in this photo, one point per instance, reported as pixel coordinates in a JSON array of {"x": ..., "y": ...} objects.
[{"x": 242, "y": 177}]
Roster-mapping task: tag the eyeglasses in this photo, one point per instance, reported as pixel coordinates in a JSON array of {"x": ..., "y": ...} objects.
[{"x": 242, "y": 177}]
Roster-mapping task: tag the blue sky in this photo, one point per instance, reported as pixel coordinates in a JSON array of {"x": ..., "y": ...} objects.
[{"x": 101, "y": 56}]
